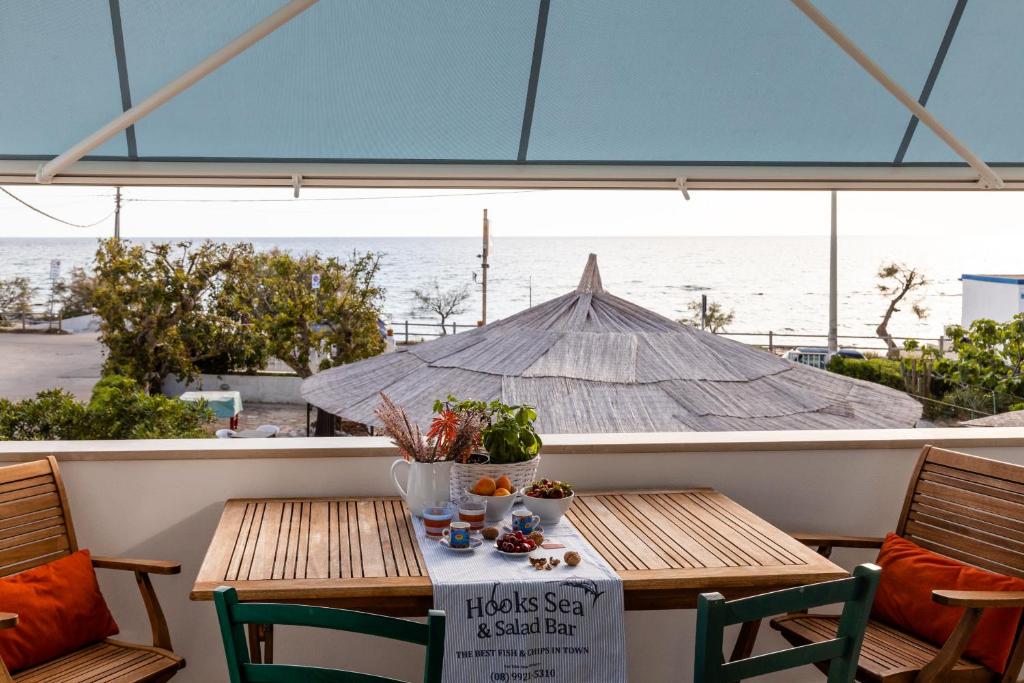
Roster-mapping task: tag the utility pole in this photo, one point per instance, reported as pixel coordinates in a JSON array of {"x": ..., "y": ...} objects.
[
  {"x": 117, "y": 213},
  {"x": 484, "y": 266},
  {"x": 833, "y": 285}
]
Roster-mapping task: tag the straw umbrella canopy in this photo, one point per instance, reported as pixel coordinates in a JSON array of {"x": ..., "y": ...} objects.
[{"x": 591, "y": 362}]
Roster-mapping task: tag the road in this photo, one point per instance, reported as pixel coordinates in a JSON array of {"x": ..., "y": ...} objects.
[{"x": 30, "y": 363}]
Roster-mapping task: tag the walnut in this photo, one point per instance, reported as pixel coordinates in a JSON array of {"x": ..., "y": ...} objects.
[
  {"x": 490, "y": 533},
  {"x": 572, "y": 558},
  {"x": 537, "y": 537}
]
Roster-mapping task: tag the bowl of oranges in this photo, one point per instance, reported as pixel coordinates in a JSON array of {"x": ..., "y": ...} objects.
[{"x": 496, "y": 495}]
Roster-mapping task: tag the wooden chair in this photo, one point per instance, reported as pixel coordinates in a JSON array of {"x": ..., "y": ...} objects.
[
  {"x": 840, "y": 651},
  {"x": 964, "y": 507},
  {"x": 36, "y": 528},
  {"x": 234, "y": 614}
]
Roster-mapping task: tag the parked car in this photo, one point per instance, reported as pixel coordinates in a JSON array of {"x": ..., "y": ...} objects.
[{"x": 817, "y": 356}]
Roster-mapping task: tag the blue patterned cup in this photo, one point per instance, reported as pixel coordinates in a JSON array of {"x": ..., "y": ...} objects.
[
  {"x": 525, "y": 521},
  {"x": 458, "y": 535}
]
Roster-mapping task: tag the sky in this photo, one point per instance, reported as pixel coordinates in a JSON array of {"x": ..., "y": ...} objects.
[{"x": 250, "y": 213}]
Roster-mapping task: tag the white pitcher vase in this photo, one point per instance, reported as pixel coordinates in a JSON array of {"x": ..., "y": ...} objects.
[{"x": 426, "y": 484}]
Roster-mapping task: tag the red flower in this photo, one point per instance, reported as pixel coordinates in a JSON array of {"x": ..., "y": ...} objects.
[{"x": 444, "y": 428}]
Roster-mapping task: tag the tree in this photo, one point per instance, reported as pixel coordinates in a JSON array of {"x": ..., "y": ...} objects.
[
  {"x": 988, "y": 358},
  {"x": 16, "y": 299},
  {"x": 75, "y": 294},
  {"x": 335, "y": 321},
  {"x": 714, "y": 320},
  {"x": 896, "y": 282},
  {"x": 444, "y": 303},
  {"x": 163, "y": 311}
]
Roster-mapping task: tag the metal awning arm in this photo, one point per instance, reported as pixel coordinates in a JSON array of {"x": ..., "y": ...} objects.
[
  {"x": 204, "y": 68},
  {"x": 988, "y": 178}
]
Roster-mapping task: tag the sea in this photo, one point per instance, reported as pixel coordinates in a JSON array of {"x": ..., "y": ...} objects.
[{"x": 769, "y": 283}]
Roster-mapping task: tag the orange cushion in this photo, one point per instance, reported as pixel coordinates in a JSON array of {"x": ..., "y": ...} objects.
[
  {"x": 59, "y": 607},
  {"x": 904, "y": 599}
]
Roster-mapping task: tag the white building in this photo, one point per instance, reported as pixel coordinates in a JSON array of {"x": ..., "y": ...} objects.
[{"x": 996, "y": 297}]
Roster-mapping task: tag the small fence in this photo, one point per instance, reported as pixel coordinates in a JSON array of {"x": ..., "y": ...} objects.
[
  {"x": 785, "y": 340},
  {"x": 412, "y": 331}
]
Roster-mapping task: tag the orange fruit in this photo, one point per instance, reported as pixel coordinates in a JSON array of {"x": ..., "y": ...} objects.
[
  {"x": 502, "y": 492},
  {"x": 504, "y": 482},
  {"x": 485, "y": 486}
]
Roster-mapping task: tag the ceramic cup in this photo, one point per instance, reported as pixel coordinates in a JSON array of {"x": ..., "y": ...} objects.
[
  {"x": 436, "y": 520},
  {"x": 473, "y": 514},
  {"x": 525, "y": 521},
  {"x": 458, "y": 535}
]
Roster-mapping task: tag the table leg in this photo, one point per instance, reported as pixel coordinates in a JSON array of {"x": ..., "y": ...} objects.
[
  {"x": 745, "y": 641},
  {"x": 233, "y": 422},
  {"x": 261, "y": 635}
]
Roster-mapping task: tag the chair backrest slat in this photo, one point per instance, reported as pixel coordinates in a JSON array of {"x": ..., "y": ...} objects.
[
  {"x": 967, "y": 508},
  {"x": 337, "y": 619},
  {"x": 714, "y": 613},
  {"x": 35, "y": 523},
  {"x": 278, "y": 673},
  {"x": 800, "y": 598},
  {"x": 785, "y": 659},
  {"x": 233, "y": 615}
]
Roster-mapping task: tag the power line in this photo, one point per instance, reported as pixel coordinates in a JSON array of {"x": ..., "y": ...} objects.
[
  {"x": 334, "y": 199},
  {"x": 51, "y": 216}
]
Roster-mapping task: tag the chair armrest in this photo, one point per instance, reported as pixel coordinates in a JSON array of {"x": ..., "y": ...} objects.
[
  {"x": 979, "y": 599},
  {"x": 147, "y": 566},
  {"x": 824, "y": 543},
  {"x": 8, "y": 620},
  {"x": 974, "y": 603},
  {"x": 839, "y": 541},
  {"x": 142, "y": 570}
]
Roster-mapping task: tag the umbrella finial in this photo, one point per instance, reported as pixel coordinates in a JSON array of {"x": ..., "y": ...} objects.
[{"x": 591, "y": 280}]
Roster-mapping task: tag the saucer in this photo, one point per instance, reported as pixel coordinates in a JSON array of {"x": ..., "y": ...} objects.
[{"x": 474, "y": 543}]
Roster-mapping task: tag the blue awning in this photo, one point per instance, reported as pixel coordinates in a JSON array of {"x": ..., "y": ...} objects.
[{"x": 685, "y": 83}]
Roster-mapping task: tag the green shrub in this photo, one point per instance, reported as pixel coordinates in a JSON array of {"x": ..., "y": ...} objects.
[
  {"x": 118, "y": 409},
  {"x": 52, "y": 415},
  {"x": 878, "y": 370},
  {"x": 966, "y": 403}
]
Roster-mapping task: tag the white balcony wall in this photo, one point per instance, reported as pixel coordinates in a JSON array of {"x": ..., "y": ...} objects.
[{"x": 162, "y": 500}]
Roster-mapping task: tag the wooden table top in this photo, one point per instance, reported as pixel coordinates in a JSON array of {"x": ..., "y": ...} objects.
[{"x": 361, "y": 553}]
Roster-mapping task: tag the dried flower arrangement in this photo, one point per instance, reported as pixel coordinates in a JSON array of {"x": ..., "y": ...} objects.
[{"x": 452, "y": 435}]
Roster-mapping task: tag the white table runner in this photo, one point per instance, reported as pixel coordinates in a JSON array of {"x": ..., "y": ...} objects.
[{"x": 507, "y": 621}]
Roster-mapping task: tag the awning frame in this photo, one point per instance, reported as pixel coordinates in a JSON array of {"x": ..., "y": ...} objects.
[
  {"x": 465, "y": 175},
  {"x": 74, "y": 167}
]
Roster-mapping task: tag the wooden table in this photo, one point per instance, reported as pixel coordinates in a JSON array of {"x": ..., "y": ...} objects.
[
  {"x": 361, "y": 553},
  {"x": 253, "y": 434}
]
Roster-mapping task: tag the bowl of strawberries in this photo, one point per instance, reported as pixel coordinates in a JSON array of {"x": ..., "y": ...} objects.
[{"x": 548, "y": 499}]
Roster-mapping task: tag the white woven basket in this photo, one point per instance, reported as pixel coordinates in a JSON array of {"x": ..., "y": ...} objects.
[{"x": 465, "y": 475}]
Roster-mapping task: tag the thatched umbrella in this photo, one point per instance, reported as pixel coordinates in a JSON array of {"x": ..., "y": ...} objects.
[
  {"x": 1014, "y": 418},
  {"x": 591, "y": 362}
]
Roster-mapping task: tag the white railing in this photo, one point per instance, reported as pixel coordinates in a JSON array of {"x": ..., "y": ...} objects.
[{"x": 162, "y": 500}]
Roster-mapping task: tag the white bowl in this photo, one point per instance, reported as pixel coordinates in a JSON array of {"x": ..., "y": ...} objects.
[
  {"x": 496, "y": 508},
  {"x": 550, "y": 510}
]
